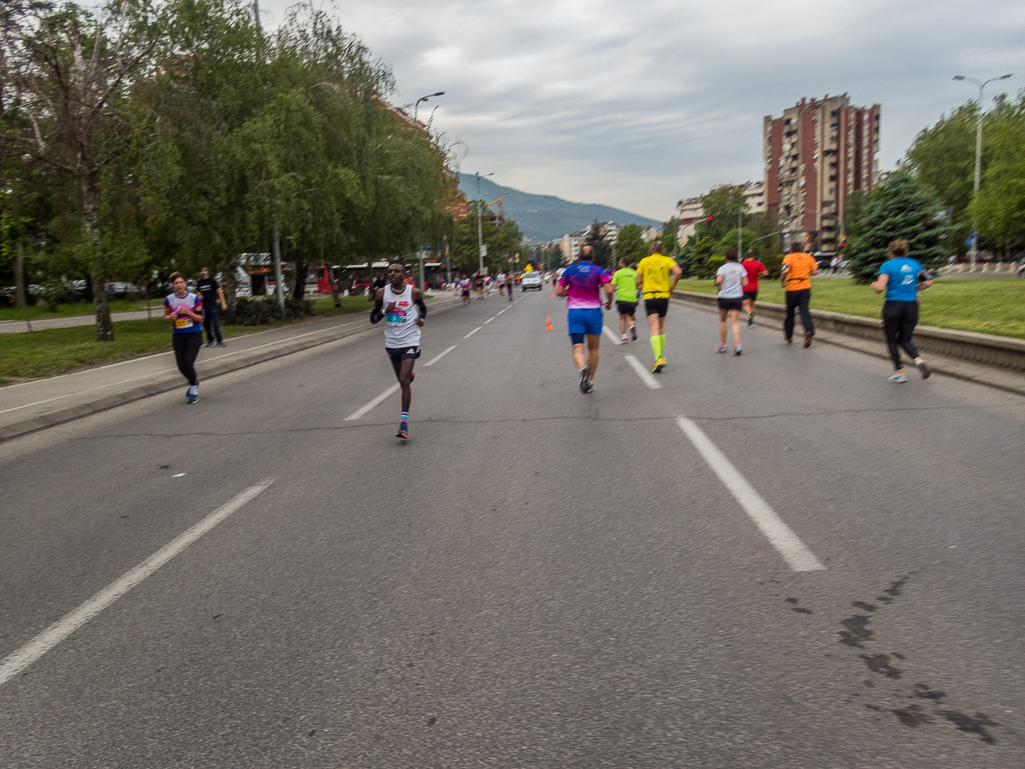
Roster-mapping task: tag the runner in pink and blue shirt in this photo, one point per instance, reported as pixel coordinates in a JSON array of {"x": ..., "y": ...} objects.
[{"x": 582, "y": 284}]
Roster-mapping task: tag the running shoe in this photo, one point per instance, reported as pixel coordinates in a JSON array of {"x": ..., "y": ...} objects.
[
  {"x": 897, "y": 378},
  {"x": 626, "y": 339},
  {"x": 788, "y": 340},
  {"x": 209, "y": 344},
  {"x": 660, "y": 363},
  {"x": 738, "y": 350},
  {"x": 923, "y": 367},
  {"x": 583, "y": 379},
  {"x": 721, "y": 348},
  {"x": 192, "y": 394},
  {"x": 807, "y": 338},
  {"x": 403, "y": 432},
  {"x": 633, "y": 333},
  {"x": 221, "y": 344},
  {"x": 750, "y": 320}
]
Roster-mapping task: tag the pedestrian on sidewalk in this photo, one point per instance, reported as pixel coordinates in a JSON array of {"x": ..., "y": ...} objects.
[
  {"x": 401, "y": 306},
  {"x": 798, "y": 267},
  {"x": 582, "y": 284},
  {"x": 185, "y": 310},
  {"x": 657, "y": 276},
  {"x": 625, "y": 281},
  {"x": 731, "y": 279},
  {"x": 755, "y": 269},
  {"x": 213, "y": 297},
  {"x": 902, "y": 277}
]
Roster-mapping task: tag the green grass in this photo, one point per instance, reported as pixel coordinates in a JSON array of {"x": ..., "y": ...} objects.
[
  {"x": 54, "y": 351},
  {"x": 985, "y": 305},
  {"x": 39, "y": 312}
]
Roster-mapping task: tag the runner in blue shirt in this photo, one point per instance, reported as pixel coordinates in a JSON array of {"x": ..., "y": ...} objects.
[{"x": 902, "y": 278}]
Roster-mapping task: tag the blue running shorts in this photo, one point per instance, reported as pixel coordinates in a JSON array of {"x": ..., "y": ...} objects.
[{"x": 588, "y": 321}]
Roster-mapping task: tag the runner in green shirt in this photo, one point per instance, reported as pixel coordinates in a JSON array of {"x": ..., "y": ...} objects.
[{"x": 625, "y": 281}]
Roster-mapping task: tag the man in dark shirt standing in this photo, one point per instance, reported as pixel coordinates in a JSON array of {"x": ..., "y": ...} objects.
[{"x": 213, "y": 300}]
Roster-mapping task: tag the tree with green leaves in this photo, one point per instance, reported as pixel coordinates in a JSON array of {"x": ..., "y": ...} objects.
[
  {"x": 722, "y": 204},
  {"x": 630, "y": 244},
  {"x": 901, "y": 209},
  {"x": 670, "y": 236},
  {"x": 597, "y": 238},
  {"x": 1000, "y": 207}
]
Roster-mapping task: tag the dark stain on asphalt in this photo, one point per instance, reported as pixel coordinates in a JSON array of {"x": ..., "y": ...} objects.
[
  {"x": 912, "y": 716},
  {"x": 898, "y": 656},
  {"x": 856, "y": 632},
  {"x": 972, "y": 725},
  {"x": 863, "y": 606},
  {"x": 432, "y": 721},
  {"x": 923, "y": 692},
  {"x": 312, "y": 732},
  {"x": 880, "y": 663},
  {"x": 164, "y": 467}
]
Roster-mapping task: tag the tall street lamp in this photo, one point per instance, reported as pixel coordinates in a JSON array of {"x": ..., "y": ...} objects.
[
  {"x": 480, "y": 231},
  {"x": 978, "y": 159},
  {"x": 424, "y": 98}
]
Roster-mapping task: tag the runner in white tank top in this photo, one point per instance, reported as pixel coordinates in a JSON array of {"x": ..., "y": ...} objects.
[{"x": 402, "y": 308}]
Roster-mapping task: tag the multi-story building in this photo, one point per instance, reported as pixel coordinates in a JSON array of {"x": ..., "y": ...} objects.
[
  {"x": 570, "y": 245},
  {"x": 816, "y": 155}
]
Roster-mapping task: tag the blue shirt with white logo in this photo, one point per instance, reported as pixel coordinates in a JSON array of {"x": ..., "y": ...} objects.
[{"x": 902, "y": 285}]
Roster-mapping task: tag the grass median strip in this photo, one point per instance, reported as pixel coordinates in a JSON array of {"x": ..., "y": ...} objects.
[
  {"x": 983, "y": 305},
  {"x": 59, "y": 350}
]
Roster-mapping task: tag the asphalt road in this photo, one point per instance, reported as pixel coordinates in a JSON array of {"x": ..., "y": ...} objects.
[{"x": 538, "y": 578}]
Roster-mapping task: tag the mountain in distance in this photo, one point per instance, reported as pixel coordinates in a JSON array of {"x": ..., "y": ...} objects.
[{"x": 542, "y": 218}]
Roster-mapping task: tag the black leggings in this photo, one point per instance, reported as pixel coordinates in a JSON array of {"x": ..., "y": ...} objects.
[
  {"x": 186, "y": 350},
  {"x": 899, "y": 321}
]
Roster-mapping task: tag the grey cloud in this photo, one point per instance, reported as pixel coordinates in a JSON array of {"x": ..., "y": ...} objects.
[{"x": 636, "y": 105}]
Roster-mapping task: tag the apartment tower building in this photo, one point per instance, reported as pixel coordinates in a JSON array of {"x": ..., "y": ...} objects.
[{"x": 816, "y": 155}]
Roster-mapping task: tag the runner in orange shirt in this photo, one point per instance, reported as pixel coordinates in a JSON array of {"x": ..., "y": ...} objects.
[{"x": 798, "y": 267}]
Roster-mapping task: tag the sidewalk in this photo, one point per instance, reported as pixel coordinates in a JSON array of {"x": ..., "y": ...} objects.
[
  {"x": 38, "y": 324},
  {"x": 32, "y": 406}
]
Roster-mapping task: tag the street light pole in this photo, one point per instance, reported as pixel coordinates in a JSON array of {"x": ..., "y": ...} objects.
[
  {"x": 480, "y": 230},
  {"x": 978, "y": 161},
  {"x": 424, "y": 98}
]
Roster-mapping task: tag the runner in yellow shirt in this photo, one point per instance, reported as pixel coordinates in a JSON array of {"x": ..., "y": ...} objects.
[{"x": 657, "y": 276}]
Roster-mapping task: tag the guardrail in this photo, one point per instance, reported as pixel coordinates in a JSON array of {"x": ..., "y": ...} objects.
[{"x": 1001, "y": 351}]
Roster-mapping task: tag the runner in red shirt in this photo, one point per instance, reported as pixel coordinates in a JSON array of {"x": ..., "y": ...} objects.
[{"x": 754, "y": 270}]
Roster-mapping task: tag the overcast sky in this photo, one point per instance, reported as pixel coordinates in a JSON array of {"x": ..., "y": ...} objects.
[{"x": 638, "y": 104}]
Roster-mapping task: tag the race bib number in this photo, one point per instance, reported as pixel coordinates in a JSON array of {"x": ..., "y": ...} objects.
[
  {"x": 396, "y": 316},
  {"x": 184, "y": 323}
]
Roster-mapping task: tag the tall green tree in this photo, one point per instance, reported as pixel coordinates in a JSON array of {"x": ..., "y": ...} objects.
[
  {"x": 597, "y": 238},
  {"x": 1001, "y": 204},
  {"x": 630, "y": 244},
  {"x": 722, "y": 204},
  {"x": 902, "y": 209},
  {"x": 670, "y": 236}
]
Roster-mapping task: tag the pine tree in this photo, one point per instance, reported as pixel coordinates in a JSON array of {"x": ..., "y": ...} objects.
[{"x": 902, "y": 209}]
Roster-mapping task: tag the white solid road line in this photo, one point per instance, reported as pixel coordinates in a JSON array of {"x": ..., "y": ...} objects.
[
  {"x": 17, "y": 661},
  {"x": 360, "y": 412},
  {"x": 611, "y": 337},
  {"x": 439, "y": 356},
  {"x": 488, "y": 321},
  {"x": 472, "y": 332},
  {"x": 646, "y": 376},
  {"x": 501, "y": 312},
  {"x": 789, "y": 545}
]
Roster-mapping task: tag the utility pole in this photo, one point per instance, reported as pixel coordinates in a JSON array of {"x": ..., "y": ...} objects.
[
  {"x": 276, "y": 247},
  {"x": 481, "y": 249}
]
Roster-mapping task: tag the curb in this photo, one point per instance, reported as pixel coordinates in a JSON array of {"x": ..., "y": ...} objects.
[{"x": 173, "y": 382}]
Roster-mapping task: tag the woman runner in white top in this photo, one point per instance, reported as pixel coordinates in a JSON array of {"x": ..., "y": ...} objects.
[
  {"x": 402, "y": 308},
  {"x": 731, "y": 279}
]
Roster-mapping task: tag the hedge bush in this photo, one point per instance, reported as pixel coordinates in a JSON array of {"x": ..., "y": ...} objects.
[{"x": 265, "y": 311}]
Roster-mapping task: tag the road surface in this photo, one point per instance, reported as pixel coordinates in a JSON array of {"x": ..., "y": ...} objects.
[{"x": 777, "y": 560}]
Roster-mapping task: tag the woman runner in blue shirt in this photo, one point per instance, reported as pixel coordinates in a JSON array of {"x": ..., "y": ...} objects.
[{"x": 901, "y": 278}]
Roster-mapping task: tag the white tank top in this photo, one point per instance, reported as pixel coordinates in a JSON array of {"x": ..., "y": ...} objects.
[{"x": 400, "y": 329}]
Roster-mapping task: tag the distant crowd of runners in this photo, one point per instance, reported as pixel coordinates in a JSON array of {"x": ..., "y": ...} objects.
[{"x": 587, "y": 289}]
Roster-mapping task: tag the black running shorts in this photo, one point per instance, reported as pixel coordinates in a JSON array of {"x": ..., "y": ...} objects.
[
  {"x": 751, "y": 296},
  {"x": 656, "y": 307},
  {"x": 398, "y": 354},
  {"x": 731, "y": 304},
  {"x": 627, "y": 308}
]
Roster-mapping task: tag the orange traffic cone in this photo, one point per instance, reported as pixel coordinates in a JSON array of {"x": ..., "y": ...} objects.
[
  {"x": 551, "y": 295},
  {"x": 549, "y": 326}
]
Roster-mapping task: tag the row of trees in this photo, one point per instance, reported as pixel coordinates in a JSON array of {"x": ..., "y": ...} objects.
[{"x": 142, "y": 138}]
